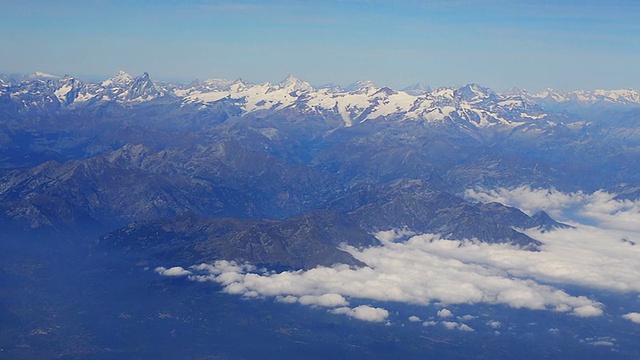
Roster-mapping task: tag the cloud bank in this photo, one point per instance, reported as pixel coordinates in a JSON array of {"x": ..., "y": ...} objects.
[
  {"x": 425, "y": 269},
  {"x": 603, "y": 209}
]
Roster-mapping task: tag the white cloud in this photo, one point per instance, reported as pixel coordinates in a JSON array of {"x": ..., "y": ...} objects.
[
  {"x": 289, "y": 299},
  {"x": 587, "y": 311},
  {"x": 429, "y": 323},
  {"x": 326, "y": 300},
  {"x": 174, "y": 271},
  {"x": 529, "y": 200},
  {"x": 414, "y": 318},
  {"x": 600, "y": 207},
  {"x": 611, "y": 213},
  {"x": 600, "y": 341},
  {"x": 465, "y": 327},
  {"x": 426, "y": 269},
  {"x": 364, "y": 312},
  {"x": 421, "y": 270},
  {"x": 444, "y": 313},
  {"x": 494, "y": 324},
  {"x": 632, "y": 316},
  {"x": 452, "y": 325},
  {"x": 394, "y": 234}
]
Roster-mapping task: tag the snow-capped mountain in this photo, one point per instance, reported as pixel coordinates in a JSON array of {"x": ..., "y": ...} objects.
[
  {"x": 359, "y": 102},
  {"x": 120, "y": 80},
  {"x": 580, "y": 99},
  {"x": 41, "y": 91},
  {"x": 364, "y": 101},
  {"x": 69, "y": 90},
  {"x": 624, "y": 96},
  {"x": 417, "y": 89},
  {"x": 43, "y": 76}
]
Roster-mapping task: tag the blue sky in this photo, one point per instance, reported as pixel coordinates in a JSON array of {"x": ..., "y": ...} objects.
[{"x": 532, "y": 45}]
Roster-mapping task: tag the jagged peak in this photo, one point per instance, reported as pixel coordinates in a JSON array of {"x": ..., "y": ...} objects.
[
  {"x": 290, "y": 79},
  {"x": 441, "y": 92},
  {"x": 385, "y": 91},
  {"x": 474, "y": 92},
  {"x": 143, "y": 87},
  {"x": 129, "y": 153},
  {"x": 241, "y": 82},
  {"x": 143, "y": 80},
  {"x": 476, "y": 88}
]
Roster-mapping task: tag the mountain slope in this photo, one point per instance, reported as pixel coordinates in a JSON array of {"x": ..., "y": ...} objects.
[{"x": 303, "y": 241}]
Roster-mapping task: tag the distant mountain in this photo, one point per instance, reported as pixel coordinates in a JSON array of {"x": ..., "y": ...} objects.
[
  {"x": 358, "y": 102},
  {"x": 581, "y": 102},
  {"x": 417, "y": 89}
]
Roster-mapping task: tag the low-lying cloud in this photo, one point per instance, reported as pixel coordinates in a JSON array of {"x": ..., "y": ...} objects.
[
  {"x": 452, "y": 325},
  {"x": 426, "y": 269},
  {"x": 633, "y": 317},
  {"x": 174, "y": 271},
  {"x": 604, "y": 209},
  {"x": 529, "y": 200},
  {"x": 364, "y": 312}
]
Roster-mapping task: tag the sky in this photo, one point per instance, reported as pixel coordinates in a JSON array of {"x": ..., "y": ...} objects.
[{"x": 533, "y": 45}]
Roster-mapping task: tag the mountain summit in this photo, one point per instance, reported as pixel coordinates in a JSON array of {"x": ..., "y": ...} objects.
[{"x": 294, "y": 84}]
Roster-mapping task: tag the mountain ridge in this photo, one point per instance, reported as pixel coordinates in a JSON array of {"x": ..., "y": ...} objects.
[{"x": 361, "y": 101}]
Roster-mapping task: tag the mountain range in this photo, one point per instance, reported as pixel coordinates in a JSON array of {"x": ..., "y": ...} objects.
[
  {"x": 284, "y": 169},
  {"x": 357, "y": 102}
]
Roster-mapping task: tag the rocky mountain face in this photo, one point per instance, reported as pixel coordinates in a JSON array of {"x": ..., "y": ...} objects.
[
  {"x": 281, "y": 174},
  {"x": 302, "y": 241}
]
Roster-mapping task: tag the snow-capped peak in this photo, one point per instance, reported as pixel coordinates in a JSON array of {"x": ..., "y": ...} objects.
[
  {"x": 474, "y": 92},
  {"x": 362, "y": 87},
  {"x": 68, "y": 89},
  {"x": 417, "y": 89},
  {"x": 514, "y": 91},
  {"x": 582, "y": 98},
  {"x": 385, "y": 91},
  {"x": 360, "y": 102},
  {"x": 292, "y": 83},
  {"x": 216, "y": 84},
  {"x": 42, "y": 75},
  {"x": 142, "y": 88},
  {"x": 120, "y": 79},
  {"x": 239, "y": 85}
]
